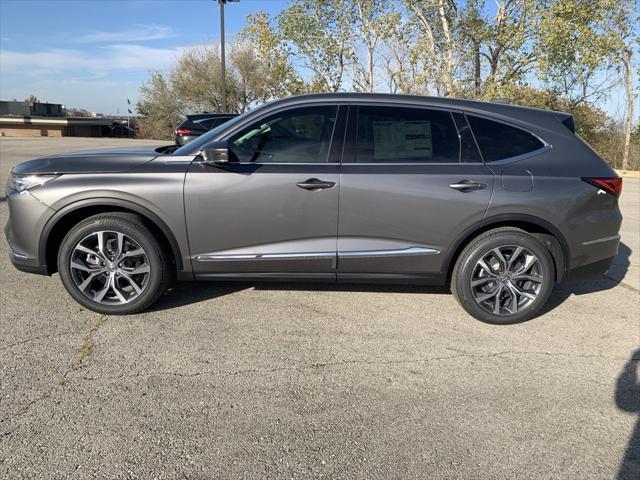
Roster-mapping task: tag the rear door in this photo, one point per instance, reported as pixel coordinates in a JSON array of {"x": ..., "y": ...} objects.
[{"x": 411, "y": 182}]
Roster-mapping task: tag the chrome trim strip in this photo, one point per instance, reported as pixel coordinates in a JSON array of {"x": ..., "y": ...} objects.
[
  {"x": 179, "y": 159},
  {"x": 17, "y": 255},
  {"x": 262, "y": 256},
  {"x": 211, "y": 257},
  {"x": 402, "y": 251},
  {"x": 600, "y": 240}
]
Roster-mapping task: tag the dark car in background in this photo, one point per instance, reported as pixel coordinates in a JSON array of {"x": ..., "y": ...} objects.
[
  {"x": 496, "y": 200},
  {"x": 199, "y": 123}
]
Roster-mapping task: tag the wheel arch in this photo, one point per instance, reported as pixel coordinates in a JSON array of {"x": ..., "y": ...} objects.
[
  {"x": 543, "y": 230},
  {"x": 64, "y": 219}
]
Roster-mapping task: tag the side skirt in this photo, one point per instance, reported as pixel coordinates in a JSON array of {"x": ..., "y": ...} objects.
[{"x": 342, "y": 278}]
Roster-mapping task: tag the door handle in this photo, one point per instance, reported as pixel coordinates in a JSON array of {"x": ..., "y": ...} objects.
[
  {"x": 468, "y": 186},
  {"x": 314, "y": 184}
]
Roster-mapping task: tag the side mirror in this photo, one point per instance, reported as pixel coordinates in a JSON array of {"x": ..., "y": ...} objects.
[{"x": 215, "y": 153}]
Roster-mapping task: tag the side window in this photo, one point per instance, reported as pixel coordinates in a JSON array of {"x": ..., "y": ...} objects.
[
  {"x": 406, "y": 135},
  {"x": 498, "y": 141},
  {"x": 208, "y": 123},
  {"x": 468, "y": 149},
  {"x": 300, "y": 135}
]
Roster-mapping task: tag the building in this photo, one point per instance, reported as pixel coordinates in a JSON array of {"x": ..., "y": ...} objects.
[{"x": 21, "y": 119}]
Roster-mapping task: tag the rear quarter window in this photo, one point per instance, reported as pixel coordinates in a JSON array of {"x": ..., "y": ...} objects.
[{"x": 498, "y": 141}]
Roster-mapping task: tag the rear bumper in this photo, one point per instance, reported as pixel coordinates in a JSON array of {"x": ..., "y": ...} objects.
[
  {"x": 596, "y": 256},
  {"x": 592, "y": 270},
  {"x": 184, "y": 139}
]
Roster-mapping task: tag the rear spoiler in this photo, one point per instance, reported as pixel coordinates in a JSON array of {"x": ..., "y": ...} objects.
[{"x": 567, "y": 120}]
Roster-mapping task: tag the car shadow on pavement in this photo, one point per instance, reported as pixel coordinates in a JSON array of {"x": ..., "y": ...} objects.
[
  {"x": 186, "y": 293},
  {"x": 627, "y": 397},
  {"x": 614, "y": 277}
]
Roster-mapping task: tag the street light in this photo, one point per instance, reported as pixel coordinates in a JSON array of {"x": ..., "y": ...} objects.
[{"x": 223, "y": 68}]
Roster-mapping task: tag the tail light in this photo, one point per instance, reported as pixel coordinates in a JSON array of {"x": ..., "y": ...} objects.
[
  {"x": 609, "y": 185},
  {"x": 183, "y": 131}
]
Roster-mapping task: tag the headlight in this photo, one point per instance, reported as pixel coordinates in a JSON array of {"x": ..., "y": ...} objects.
[{"x": 20, "y": 183}]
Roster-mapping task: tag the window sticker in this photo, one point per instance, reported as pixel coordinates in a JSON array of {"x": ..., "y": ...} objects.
[{"x": 402, "y": 139}]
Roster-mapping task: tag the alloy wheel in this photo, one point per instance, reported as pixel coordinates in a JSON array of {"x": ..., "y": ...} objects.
[
  {"x": 109, "y": 267},
  {"x": 506, "y": 280}
]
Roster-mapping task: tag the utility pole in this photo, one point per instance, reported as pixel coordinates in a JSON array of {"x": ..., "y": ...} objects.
[{"x": 222, "y": 55}]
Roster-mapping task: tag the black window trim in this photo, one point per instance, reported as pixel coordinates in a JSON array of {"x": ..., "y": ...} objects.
[
  {"x": 546, "y": 146},
  {"x": 341, "y": 112},
  {"x": 352, "y": 129}
]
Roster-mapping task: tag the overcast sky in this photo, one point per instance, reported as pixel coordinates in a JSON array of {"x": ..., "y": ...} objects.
[{"x": 93, "y": 54}]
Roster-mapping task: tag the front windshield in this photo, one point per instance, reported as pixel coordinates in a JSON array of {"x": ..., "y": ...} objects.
[{"x": 197, "y": 144}]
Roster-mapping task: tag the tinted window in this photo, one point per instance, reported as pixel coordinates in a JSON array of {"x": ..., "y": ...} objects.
[
  {"x": 208, "y": 123},
  {"x": 299, "y": 135},
  {"x": 468, "y": 149},
  {"x": 498, "y": 141},
  {"x": 406, "y": 135}
]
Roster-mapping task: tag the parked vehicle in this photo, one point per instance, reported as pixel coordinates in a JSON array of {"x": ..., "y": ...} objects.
[
  {"x": 498, "y": 201},
  {"x": 197, "y": 124}
]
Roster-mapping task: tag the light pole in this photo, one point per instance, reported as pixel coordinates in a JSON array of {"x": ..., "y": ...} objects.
[{"x": 222, "y": 59}]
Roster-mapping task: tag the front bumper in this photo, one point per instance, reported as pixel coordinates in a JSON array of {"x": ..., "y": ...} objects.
[{"x": 27, "y": 217}]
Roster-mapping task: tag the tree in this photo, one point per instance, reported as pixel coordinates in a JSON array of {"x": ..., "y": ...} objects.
[
  {"x": 436, "y": 44},
  {"x": 318, "y": 33},
  {"x": 624, "y": 27},
  {"x": 374, "y": 23},
  {"x": 158, "y": 107},
  {"x": 272, "y": 74},
  {"x": 398, "y": 60},
  {"x": 196, "y": 81},
  {"x": 575, "y": 51},
  {"x": 193, "y": 84}
]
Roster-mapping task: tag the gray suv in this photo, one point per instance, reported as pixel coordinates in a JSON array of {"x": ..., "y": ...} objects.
[{"x": 498, "y": 201}]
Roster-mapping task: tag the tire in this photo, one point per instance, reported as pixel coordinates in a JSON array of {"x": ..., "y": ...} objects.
[
  {"x": 501, "y": 261},
  {"x": 104, "y": 256}
]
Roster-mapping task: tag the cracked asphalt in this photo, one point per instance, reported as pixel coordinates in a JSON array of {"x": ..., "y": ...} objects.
[{"x": 310, "y": 381}]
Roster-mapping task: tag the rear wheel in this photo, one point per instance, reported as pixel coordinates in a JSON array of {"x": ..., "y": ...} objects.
[
  {"x": 111, "y": 263},
  {"x": 503, "y": 276}
]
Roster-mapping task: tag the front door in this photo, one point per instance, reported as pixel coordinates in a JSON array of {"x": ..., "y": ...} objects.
[
  {"x": 411, "y": 182},
  {"x": 273, "y": 210}
]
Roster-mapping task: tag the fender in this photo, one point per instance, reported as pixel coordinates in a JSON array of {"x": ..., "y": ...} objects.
[
  {"x": 504, "y": 219},
  {"x": 116, "y": 202}
]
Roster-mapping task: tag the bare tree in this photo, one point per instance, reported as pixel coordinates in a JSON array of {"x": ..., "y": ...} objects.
[{"x": 627, "y": 67}]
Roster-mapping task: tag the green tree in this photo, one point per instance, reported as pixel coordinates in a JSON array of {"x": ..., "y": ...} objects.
[
  {"x": 158, "y": 108},
  {"x": 575, "y": 50},
  {"x": 318, "y": 34},
  {"x": 271, "y": 73}
]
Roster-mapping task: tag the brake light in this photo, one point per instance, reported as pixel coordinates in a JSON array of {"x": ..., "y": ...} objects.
[
  {"x": 609, "y": 185},
  {"x": 183, "y": 131}
]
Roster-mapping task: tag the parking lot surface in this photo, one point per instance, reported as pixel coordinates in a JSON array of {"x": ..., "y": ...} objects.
[{"x": 317, "y": 381}]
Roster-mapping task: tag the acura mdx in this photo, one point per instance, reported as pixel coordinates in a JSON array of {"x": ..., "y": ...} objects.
[{"x": 497, "y": 201}]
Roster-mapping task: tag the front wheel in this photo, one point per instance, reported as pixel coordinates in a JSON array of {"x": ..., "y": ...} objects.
[
  {"x": 504, "y": 276},
  {"x": 112, "y": 264}
]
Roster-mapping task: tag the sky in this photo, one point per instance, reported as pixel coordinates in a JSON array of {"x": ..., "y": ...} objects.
[{"x": 94, "y": 54}]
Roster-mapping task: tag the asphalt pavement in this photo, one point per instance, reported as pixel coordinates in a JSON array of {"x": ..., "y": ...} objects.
[{"x": 312, "y": 381}]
